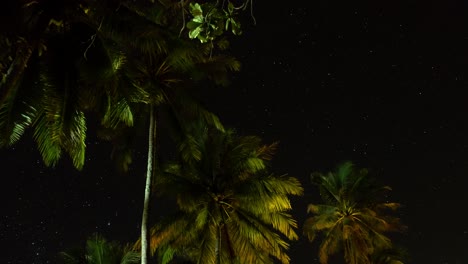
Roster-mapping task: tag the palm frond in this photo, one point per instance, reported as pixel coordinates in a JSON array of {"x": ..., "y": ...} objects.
[
  {"x": 15, "y": 118},
  {"x": 259, "y": 235},
  {"x": 19, "y": 103},
  {"x": 166, "y": 255},
  {"x": 75, "y": 138},
  {"x": 48, "y": 144},
  {"x": 130, "y": 257},
  {"x": 330, "y": 244},
  {"x": 118, "y": 113}
]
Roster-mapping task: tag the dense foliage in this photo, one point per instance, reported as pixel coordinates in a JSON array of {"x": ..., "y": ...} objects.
[
  {"x": 124, "y": 63},
  {"x": 62, "y": 59}
]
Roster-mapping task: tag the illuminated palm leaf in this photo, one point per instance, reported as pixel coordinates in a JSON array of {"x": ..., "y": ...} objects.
[{"x": 17, "y": 113}]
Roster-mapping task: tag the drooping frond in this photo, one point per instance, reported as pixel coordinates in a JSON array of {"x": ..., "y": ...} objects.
[
  {"x": 60, "y": 124},
  {"x": 330, "y": 244},
  {"x": 325, "y": 218},
  {"x": 16, "y": 115},
  {"x": 117, "y": 114},
  {"x": 130, "y": 257}
]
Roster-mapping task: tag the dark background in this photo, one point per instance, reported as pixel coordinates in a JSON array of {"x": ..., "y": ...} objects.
[{"x": 381, "y": 83}]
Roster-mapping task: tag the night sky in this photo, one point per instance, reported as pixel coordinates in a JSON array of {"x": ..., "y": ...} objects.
[{"x": 381, "y": 83}]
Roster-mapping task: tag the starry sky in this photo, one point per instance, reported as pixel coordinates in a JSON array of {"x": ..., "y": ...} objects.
[{"x": 381, "y": 83}]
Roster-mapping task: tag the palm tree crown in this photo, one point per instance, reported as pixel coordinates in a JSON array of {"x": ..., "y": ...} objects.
[
  {"x": 353, "y": 218},
  {"x": 230, "y": 209}
]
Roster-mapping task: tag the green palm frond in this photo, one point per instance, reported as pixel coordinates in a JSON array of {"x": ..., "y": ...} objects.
[
  {"x": 19, "y": 103},
  {"x": 190, "y": 149},
  {"x": 75, "y": 138},
  {"x": 60, "y": 126},
  {"x": 167, "y": 255},
  {"x": 48, "y": 145},
  {"x": 15, "y": 118},
  {"x": 130, "y": 257},
  {"x": 284, "y": 184},
  {"x": 117, "y": 114}
]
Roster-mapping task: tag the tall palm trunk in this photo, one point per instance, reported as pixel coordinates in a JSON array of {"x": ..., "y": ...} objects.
[{"x": 149, "y": 176}]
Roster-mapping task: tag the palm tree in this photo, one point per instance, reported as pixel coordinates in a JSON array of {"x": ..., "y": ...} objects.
[
  {"x": 138, "y": 35},
  {"x": 100, "y": 251},
  {"x": 43, "y": 72},
  {"x": 159, "y": 67},
  {"x": 353, "y": 219},
  {"x": 230, "y": 209}
]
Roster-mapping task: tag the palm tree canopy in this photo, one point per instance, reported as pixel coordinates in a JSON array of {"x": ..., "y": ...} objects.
[
  {"x": 63, "y": 58},
  {"x": 231, "y": 210},
  {"x": 147, "y": 63},
  {"x": 353, "y": 218},
  {"x": 39, "y": 80}
]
